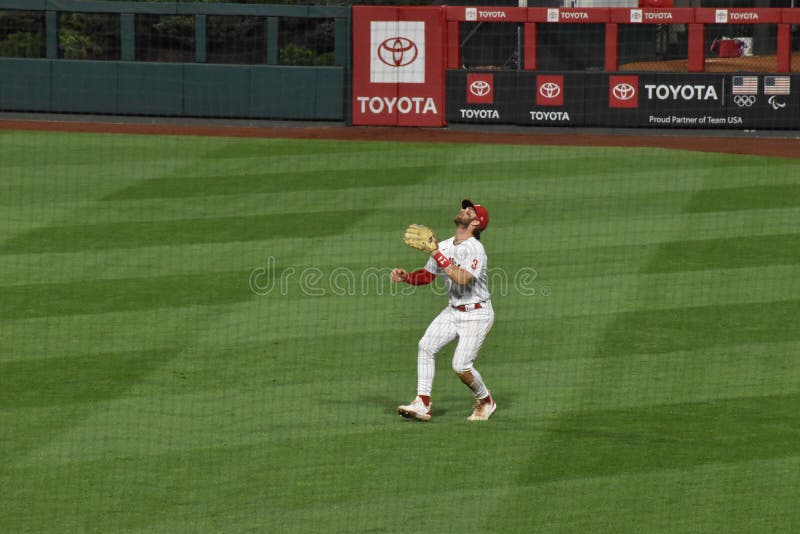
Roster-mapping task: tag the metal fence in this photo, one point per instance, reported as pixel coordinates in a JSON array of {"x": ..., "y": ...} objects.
[{"x": 226, "y": 33}]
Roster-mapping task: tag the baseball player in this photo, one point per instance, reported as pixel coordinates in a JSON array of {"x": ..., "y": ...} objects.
[{"x": 461, "y": 259}]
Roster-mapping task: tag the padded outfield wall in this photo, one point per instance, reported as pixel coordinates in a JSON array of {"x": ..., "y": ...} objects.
[
  {"x": 195, "y": 85},
  {"x": 431, "y": 66},
  {"x": 662, "y": 100},
  {"x": 607, "y": 67}
]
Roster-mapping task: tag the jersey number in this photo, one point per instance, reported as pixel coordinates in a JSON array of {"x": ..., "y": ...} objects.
[{"x": 474, "y": 264}]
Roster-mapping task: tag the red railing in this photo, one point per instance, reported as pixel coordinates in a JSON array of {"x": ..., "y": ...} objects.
[{"x": 696, "y": 20}]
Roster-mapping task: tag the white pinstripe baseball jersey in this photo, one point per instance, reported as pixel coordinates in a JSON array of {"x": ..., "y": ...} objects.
[{"x": 470, "y": 256}]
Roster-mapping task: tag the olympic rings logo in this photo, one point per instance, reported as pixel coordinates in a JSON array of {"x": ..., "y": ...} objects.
[{"x": 744, "y": 101}]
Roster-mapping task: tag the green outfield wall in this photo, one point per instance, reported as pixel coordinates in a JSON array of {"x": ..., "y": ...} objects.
[{"x": 126, "y": 86}]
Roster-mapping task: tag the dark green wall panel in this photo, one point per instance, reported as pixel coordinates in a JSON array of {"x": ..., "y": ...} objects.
[
  {"x": 25, "y": 84},
  {"x": 150, "y": 89},
  {"x": 172, "y": 89},
  {"x": 84, "y": 86},
  {"x": 283, "y": 92},
  {"x": 330, "y": 93},
  {"x": 297, "y": 93},
  {"x": 195, "y": 89},
  {"x": 216, "y": 91}
]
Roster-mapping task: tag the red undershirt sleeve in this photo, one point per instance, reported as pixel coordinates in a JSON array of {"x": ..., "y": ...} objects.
[{"x": 420, "y": 277}]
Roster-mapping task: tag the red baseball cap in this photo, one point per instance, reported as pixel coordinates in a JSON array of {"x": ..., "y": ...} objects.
[{"x": 480, "y": 211}]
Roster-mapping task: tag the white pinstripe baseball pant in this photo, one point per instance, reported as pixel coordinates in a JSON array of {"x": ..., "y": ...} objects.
[{"x": 471, "y": 329}]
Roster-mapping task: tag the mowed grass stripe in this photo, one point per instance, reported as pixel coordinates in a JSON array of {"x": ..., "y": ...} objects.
[
  {"x": 563, "y": 250},
  {"x": 654, "y": 331},
  {"x": 667, "y": 256},
  {"x": 103, "y": 296},
  {"x": 283, "y": 178},
  {"x": 25, "y": 149},
  {"x": 64, "y": 238},
  {"x": 752, "y": 197},
  {"x": 550, "y": 298},
  {"x": 732, "y": 252},
  {"x": 55, "y": 336},
  {"x": 278, "y": 177},
  {"x": 189, "y": 397},
  {"x": 67, "y": 238},
  {"x": 695, "y": 174},
  {"x": 698, "y": 288},
  {"x": 638, "y": 380},
  {"x": 394, "y": 206},
  {"x": 286, "y": 496},
  {"x": 114, "y": 295},
  {"x": 230, "y": 155},
  {"x": 190, "y": 411},
  {"x": 279, "y": 324},
  {"x": 746, "y": 496},
  {"x": 88, "y": 378},
  {"x": 653, "y": 438},
  {"x": 290, "y": 180},
  {"x": 192, "y": 380},
  {"x": 550, "y": 239}
]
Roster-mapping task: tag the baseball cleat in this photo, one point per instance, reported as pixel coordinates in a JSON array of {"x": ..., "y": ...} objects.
[
  {"x": 482, "y": 411},
  {"x": 415, "y": 410}
]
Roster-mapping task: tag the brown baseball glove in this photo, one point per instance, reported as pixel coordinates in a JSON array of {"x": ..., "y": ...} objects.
[{"x": 420, "y": 237}]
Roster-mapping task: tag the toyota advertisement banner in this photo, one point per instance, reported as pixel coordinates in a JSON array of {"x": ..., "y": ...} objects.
[
  {"x": 663, "y": 100},
  {"x": 481, "y": 97},
  {"x": 398, "y": 66},
  {"x": 670, "y": 100},
  {"x": 511, "y": 97}
]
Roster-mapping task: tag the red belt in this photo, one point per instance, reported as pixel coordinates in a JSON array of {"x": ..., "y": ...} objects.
[{"x": 468, "y": 307}]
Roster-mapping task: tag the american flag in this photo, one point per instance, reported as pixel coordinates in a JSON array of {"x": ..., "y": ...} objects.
[
  {"x": 777, "y": 85},
  {"x": 745, "y": 85}
]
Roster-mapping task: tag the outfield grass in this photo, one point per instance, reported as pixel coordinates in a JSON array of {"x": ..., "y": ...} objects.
[{"x": 647, "y": 378}]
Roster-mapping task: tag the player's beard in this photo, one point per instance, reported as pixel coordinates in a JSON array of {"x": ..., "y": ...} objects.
[{"x": 462, "y": 219}]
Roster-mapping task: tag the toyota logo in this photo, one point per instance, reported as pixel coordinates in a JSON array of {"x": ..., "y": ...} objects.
[
  {"x": 623, "y": 91},
  {"x": 397, "y": 52},
  {"x": 550, "y": 90},
  {"x": 744, "y": 101},
  {"x": 480, "y": 88}
]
